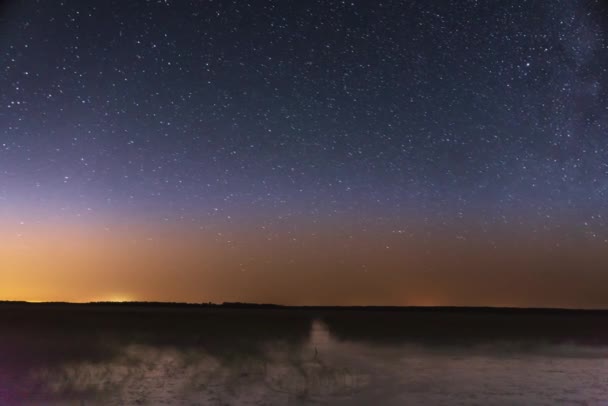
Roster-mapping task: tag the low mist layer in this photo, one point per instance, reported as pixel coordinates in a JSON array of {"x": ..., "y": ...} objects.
[{"x": 54, "y": 354}]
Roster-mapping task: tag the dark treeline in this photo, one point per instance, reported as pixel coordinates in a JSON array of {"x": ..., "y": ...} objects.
[{"x": 245, "y": 305}]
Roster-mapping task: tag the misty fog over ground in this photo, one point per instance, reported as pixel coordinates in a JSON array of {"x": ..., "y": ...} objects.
[{"x": 93, "y": 354}]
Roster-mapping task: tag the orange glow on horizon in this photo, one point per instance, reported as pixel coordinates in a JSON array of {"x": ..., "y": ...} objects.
[{"x": 84, "y": 263}]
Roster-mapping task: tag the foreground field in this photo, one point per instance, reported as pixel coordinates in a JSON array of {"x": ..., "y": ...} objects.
[{"x": 190, "y": 355}]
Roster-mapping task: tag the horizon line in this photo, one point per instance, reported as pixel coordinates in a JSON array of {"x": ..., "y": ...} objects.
[{"x": 287, "y": 307}]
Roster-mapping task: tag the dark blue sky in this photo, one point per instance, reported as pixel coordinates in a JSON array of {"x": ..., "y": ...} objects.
[{"x": 444, "y": 118}]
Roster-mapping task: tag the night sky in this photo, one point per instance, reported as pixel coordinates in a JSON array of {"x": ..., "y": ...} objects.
[{"x": 305, "y": 152}]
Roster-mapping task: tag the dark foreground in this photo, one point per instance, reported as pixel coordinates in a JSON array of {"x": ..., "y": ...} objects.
[{"x": 239, "y": 355}]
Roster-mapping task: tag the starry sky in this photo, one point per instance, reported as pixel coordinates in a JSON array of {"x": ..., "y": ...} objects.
[{"x": 305, "y": 152}]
